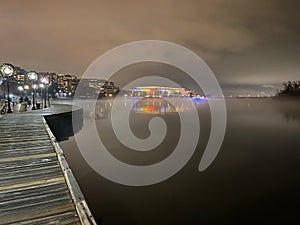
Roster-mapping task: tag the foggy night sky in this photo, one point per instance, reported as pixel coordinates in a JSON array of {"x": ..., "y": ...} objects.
[{"x": 251, "y": 46}]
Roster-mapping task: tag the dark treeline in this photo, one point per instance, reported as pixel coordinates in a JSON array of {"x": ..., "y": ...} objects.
[{"x": 290, "y": 89}]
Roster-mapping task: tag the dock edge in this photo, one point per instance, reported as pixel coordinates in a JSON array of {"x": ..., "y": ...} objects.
[{"x": 81, "y": 205}]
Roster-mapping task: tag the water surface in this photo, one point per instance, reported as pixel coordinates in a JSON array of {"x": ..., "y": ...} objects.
[{"x": 253, "y": 180}]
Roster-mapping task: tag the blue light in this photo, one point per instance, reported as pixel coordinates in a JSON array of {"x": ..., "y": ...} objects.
[{"x": 199, "y": 99}]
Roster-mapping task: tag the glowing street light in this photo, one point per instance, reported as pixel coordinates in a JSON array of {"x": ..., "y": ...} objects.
[
  {"x": 7, "y": 70},
  {"x": 33, "y": 78},
  {"x": 44, "y": 82}
]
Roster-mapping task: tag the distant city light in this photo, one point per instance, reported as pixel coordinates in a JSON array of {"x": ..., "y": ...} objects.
[
  {"x": 199, "y": 98},
  {"x": 20, "y": 88}
]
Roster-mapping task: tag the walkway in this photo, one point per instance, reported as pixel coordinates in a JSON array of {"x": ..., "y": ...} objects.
[{"x": 36, "y": 185}]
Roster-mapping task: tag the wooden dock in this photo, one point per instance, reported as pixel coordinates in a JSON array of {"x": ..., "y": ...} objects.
[{"x": 36, "y": 184}]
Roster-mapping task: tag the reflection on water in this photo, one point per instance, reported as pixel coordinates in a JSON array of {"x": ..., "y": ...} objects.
[
  {"x": 253, "y": 180},
  {"x": 159, "y": 106},
  {"x": 144, "y": 105},
  {"x": 290, "y": 110}
]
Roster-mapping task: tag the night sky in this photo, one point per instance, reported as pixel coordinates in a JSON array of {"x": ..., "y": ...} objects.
[{"x": 251, "y": 46}]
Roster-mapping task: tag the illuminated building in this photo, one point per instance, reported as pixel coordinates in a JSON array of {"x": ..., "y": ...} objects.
[
  {"x": 158, "y": 92},
  {"x": 90, "y": 88},
  {"x": 67, "y": 84}
]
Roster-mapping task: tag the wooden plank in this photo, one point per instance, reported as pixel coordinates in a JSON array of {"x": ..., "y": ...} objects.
[{"x": 33, "y": 188}]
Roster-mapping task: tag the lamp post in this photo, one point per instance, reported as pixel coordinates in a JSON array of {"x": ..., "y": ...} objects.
[
  {"x": 42, "y": 86},
  {"x": 7, "y": 70},
  {"x": 33, "y": 77},
  {"x": 44, "y": 81}
]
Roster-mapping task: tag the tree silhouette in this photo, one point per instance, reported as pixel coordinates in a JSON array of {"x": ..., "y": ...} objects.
[{"x": 290, "y": 89}]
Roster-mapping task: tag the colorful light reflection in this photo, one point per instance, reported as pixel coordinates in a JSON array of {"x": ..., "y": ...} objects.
[{"x": 158, "y": 108}]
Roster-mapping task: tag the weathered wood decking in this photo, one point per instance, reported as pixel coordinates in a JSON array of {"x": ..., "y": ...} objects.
[{"x": 35, "y": 182}]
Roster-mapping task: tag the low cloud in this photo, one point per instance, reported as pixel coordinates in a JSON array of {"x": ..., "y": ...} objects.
[{"x": 238, "y": 39}]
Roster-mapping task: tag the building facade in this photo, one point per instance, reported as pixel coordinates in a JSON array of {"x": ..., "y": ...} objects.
[
  {"x": 58, "y": 85},
  {"x": 157, "y": 92}
]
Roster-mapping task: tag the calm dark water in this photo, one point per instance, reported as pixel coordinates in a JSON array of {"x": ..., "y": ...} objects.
[{"x": 254, "y": 179}]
